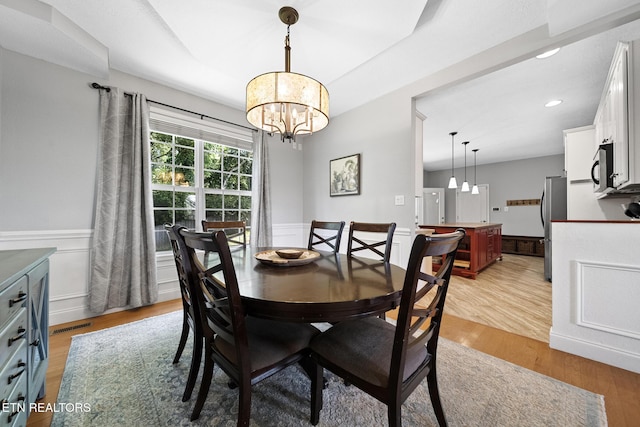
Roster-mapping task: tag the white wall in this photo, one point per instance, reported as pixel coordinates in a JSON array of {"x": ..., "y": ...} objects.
[
  {"x": 518, "y": 179},
  {"x": 596, "y": 289},
  {"x": 48, "y": 149}
]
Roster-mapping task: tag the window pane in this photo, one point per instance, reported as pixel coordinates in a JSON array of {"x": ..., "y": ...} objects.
[
  {"x": 184, "y": 156},
  {"x": 245, "y": 182},
  {"x": 245, "y": 166},
  {"x": 162, "y": 199},
  {"x": 161, "y": 174},
  {"x": 213, "y": 180},
  {"x": 214, "y": 215},
  {"x": 185, "y": 177},
  {"x": 160, "y": 152},
  {"x": 231, "y": 202},
  {"x": 185, "y": 141},
  {"x": 231, "y": 215},
  {"x": 161, "y": 137},
  {"x": 212, "y": 161},
  {"x": 185, "y": 200},
  {"x": 213, "y": 201},
  {"x": 230, "y": 164},
  {"x": 245, "y": 202},
  {"x": 230, "y": 181},
  {"x": 186, "y": 218},
  {"x": 245, "y": 216},
  {"x": 162, "y": 217},
  {"x": 231, "y": 151}
]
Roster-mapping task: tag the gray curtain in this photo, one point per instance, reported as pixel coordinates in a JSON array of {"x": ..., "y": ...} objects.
[
  {"x": 123, "y": 262},
  {"x": 261, "y": 234}
]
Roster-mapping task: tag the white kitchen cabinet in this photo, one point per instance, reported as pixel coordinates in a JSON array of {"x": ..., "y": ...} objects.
[{"x": 611, "y": 121}]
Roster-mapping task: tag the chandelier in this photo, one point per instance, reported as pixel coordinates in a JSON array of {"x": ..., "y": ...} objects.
[{"x": 285, "y": 102}]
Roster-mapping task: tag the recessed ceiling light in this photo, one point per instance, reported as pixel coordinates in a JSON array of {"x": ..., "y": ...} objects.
[
  {"x": 553, "y": 103},
  {"x": 548, "y": 53}
]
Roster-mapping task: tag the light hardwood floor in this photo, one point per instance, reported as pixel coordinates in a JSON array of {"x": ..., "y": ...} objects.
[
  {"x": 621, "y": 388},
  {"x": 511, "y": 295}
]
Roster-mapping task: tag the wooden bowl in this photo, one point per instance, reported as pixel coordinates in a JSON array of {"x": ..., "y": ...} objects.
[{"x": 290, "y": 253}]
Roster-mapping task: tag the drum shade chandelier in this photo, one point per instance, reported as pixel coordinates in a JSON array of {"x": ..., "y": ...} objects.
[{"x": 285, "y": 102}]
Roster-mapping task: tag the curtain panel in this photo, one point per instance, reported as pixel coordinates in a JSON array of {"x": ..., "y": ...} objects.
[
  {"x": 261, "y": 234},
  {"x": 123, "y": 259}
]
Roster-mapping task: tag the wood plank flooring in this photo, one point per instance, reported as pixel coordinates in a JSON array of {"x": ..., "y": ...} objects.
[
  {"x": 621, "y": 388},
  {"x": 511, "y": 294}
]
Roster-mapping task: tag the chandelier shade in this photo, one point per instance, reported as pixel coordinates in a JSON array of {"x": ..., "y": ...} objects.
[
  {"x": 285, "y": 102},
  {"x": 288, "y": 103}
]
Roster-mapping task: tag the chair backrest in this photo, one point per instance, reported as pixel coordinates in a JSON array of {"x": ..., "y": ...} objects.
[
  {"x": 381, "y": 248},
  {"x": 423, "y": 297},
  {"x": 186, "y": 283},
  {"x": 319, "y": 237},
  {"x": 236, "y": 231},
  {"x": 218, "y": 296}
]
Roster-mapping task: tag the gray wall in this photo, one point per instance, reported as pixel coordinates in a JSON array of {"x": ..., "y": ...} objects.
[
  {"x": 49, "y": 136},
  {"x": 381, "y": 132},
  {"x": 518, "y": 179}
]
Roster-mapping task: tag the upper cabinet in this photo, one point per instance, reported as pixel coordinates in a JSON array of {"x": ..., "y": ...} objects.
[{"x": 617, "y": 120}]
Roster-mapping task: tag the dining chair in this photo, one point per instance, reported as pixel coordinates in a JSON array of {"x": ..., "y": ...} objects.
[
  {"x": 380, "y": 248},
  {"x": 389, "y": 361},
  {"x": 236, "y": 231},
  {"x": 325, "y": 233},
  {"x": 190, "y": 317},
  {"x": 248, "y": 349}
]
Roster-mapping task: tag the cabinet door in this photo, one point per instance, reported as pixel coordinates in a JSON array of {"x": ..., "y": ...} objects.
[
  {"x": 619, "y": 123},
  {"x": 483, "y": 242},
  {"x": 38, "y": 352}
]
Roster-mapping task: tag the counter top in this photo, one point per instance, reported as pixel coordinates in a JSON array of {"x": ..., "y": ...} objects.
[
  {"x": 461, "y": 225},
  {"x": 14, "y": 263},
  {"x": 597, "y": 221}
]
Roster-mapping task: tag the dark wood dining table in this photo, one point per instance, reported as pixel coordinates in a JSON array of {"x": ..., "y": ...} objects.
[{"x": 334, "y": 287}]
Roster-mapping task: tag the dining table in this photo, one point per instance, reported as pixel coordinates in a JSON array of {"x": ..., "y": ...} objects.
[{"x": 318, "y": 287}]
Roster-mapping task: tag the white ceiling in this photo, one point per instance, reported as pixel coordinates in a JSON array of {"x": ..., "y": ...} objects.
[{"x": 360, "y": 49}]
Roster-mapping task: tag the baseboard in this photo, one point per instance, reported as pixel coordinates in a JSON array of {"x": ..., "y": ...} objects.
[{"x": 595, "y": 351}]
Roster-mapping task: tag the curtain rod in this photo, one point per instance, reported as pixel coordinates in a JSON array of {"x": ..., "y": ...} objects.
[{"x": 202, "y": 116}]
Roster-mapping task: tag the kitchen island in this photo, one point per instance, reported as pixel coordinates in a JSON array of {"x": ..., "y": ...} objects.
[{"x": 481, "y": 246}]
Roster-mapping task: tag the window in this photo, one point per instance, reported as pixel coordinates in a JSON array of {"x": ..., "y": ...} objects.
[{"x": 197, "y": 174}]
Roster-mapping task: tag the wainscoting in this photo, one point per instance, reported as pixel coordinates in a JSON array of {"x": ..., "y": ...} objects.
[{"x": 69, "y": 265}]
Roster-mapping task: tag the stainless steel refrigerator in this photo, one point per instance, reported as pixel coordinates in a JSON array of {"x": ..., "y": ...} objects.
[{"x": 553, "y": 206}]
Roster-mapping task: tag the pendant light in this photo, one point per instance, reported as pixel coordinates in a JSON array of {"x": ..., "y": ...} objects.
[
  {"x": 452, "y": 180},
  {"x": 465, "y": 184},
  {"x": 475, "y": 189},
  {"x": 285, "y": 102}
]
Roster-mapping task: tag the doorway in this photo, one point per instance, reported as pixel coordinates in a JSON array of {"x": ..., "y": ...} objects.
[
  {"x": 432, "y": 206},
  {"x": 473, "y": 207}
]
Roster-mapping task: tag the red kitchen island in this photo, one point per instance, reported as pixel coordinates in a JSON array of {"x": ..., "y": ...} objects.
[{"x": 481, "y": 246}]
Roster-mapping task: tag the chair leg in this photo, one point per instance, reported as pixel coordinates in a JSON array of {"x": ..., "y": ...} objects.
[
  {"x": 434, "y": 394},
  {"x": 196, "y": 357},
  {"x": 394, "y": 414},
  {"x": 204, "y": 384},
  {"x": 244, "y": 404},
  {"x": 183, "y": 338},
  {"x": 317, "y": 384}
]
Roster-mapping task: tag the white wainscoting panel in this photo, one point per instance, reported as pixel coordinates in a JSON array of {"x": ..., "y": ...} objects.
[
  {"x": 618, "y": 287},
  {"x": 596, "y": 290}
]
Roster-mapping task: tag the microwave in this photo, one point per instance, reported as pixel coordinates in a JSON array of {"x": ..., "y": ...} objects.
[{"x": 602, "y": 169}]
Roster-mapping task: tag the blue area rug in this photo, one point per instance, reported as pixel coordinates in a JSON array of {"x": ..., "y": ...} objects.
[{"x": 124, "y": 377}]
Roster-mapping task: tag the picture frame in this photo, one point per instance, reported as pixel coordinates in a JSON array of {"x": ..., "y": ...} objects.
[{"x": 344, "y": 176}]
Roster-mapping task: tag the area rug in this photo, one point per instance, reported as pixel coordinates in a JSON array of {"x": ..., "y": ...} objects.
[{"x": 123, "y": 376}]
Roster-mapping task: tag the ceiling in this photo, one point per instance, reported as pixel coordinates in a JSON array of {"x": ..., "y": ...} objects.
[{"x": 360, "y": 49}]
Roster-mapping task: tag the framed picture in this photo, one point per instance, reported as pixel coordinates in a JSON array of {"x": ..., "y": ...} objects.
[{"x": 344, "y": 176}]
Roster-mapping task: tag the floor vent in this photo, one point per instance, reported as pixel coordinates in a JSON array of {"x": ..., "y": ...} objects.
[{"x": 70, "y": 328}]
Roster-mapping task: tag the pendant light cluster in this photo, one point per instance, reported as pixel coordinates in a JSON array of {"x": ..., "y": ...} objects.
[{"x": 465, "y": 185}]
